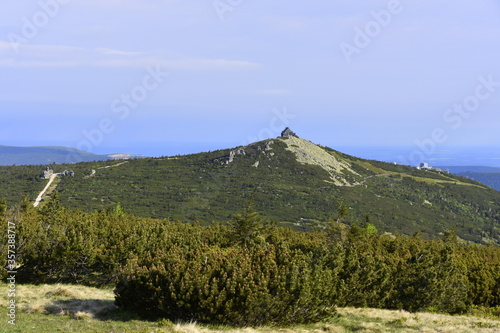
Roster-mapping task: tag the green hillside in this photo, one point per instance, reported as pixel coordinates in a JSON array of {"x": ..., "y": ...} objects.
[{"x": 292, "y": 182}]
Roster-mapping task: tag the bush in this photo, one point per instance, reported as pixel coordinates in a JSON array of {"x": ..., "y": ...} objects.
[
  {"x": 431, "y": 279},
  {"x": 236, "y": 286},
  {"x": 248, "y": 273}
]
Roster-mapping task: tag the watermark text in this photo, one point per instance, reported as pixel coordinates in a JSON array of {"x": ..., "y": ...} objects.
[
  {"x": 363, "y": 36},
  {"x": 31, "y": 26},
  {"x": 453, "y": 118},
  {"x": 223, "y": 7},
  {"x": 122, "y": 107},
  {"x": 11, "y": 279}
]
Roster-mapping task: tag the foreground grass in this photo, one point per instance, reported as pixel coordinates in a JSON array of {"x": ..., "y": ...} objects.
[{"x": 67, "y": 308}]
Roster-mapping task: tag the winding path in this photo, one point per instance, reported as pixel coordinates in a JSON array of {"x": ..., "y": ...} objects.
[
  {"x": 55, "y": 175},
  {"x": 39, "y": 198}
]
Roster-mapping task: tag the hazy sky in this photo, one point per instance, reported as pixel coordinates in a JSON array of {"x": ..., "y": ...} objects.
[{"x": 171, "y": 76}]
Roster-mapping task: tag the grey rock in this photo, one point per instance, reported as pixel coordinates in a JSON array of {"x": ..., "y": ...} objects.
[
  {"x": 268, "y": 145},
  {"x": 233, "y": 154}
]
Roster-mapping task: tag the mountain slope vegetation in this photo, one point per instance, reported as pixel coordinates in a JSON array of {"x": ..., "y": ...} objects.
[{"x": 292, "y": 181}]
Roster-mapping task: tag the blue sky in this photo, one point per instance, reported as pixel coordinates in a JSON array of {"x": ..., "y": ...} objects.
[{"x": 162, "y": 77}]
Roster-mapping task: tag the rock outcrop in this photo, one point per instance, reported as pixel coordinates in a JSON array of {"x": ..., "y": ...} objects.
[
  {"x": 268, "y": 145},
  {"x": 69, "y": 173},
  {"x": 233, "y": 154}
]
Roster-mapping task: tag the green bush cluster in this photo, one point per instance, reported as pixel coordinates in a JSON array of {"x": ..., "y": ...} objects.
[
  {"x": 347, "y": 266},
  {"x": 237, "y": 286},
  {"x": 247, "y": 272},
  {"x": 55, "y": 244},
  {"x": 412, "y": 274}
]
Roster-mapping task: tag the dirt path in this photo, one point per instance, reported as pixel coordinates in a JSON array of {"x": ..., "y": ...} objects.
[
  {"x": 112, "y": 166},
  {"x": 54, "y": 176},
  {"x": 40, "y": 196}
]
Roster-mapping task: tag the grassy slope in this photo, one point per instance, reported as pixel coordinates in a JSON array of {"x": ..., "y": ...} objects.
[
  {"x": 204, "y": 187},
  {"x": 67, "y": 308}
]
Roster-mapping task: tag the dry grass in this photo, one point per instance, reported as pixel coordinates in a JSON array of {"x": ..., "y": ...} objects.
[
  {"x": 76, "y": 301},
  {"x": 78, "y": 304},
  {"x": 377, "y": 320},
  {"x": 309, "y": 153}
]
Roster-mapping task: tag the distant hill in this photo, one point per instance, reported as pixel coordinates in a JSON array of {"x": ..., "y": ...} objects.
[
  {"x": 10, "y": 155},
  {"x": 489, "y": 178},
  {"x": 292, "y": 181},
  {"x": 487, "y": 175},
  {"x": 458, "y": 169}
]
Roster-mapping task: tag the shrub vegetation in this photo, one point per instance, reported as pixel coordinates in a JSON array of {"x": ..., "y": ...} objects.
[{"x": 247, "y": 272}]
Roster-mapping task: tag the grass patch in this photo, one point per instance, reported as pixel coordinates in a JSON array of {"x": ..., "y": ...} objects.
[{"x": 72, "y": 309}]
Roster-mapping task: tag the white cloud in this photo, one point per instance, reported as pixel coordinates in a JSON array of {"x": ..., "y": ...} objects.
[
  {"x": 211, "y": 64},
  {"x": 117, "y": 52},
  {"x": 126, "y": 4},
  {"x": 275, "y": 92},
  {"x": 289, "y": 24},
  {"x": 66, "y": 56},
  {"x": 4, "y": 46}
]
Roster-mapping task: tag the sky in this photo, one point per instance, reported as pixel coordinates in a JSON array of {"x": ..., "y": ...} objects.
[{"x": 165, "y": 77}]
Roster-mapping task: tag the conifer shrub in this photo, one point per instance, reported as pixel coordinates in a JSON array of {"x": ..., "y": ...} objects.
[
  {"x": 430, "y": 279},
  {"x": 248, "y": 272},
  {"x": 239, "y": 286}
]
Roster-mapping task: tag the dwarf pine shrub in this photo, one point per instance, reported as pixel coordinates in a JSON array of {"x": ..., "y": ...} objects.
[
  {"x": 247, "y": 273},
  {"x": 237, "y": 286}
]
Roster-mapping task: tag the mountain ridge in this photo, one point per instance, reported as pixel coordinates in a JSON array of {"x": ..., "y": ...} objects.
[
  {"x": 292, "y": 181},
  {"x": 487, "y": 175},
  {"x": 42, "y": 155}
]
